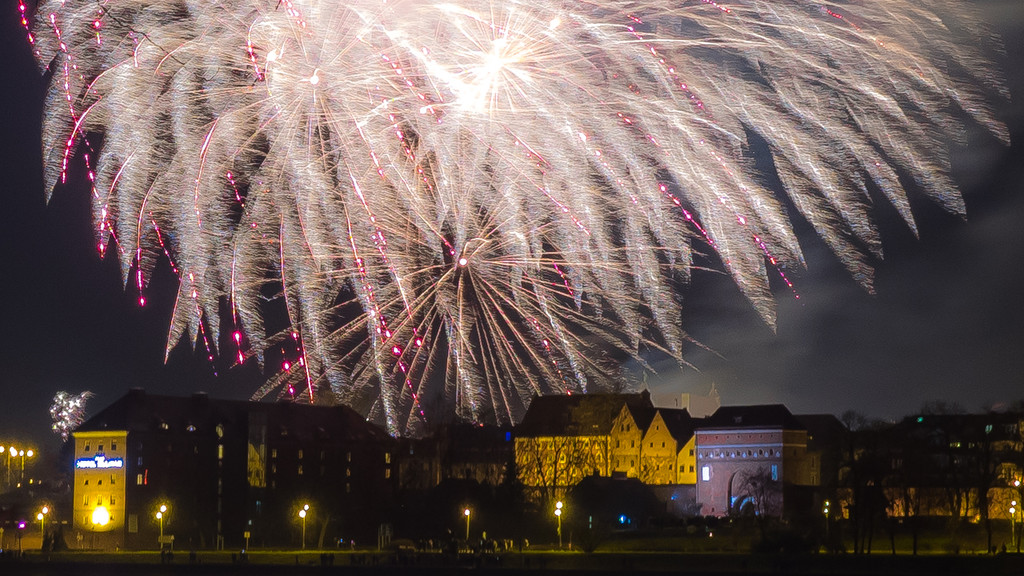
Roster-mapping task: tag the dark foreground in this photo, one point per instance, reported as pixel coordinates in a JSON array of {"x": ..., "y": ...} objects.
[{"x": 548, "y": 563}]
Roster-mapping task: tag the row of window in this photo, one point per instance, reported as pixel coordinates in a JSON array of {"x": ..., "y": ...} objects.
[
  {"x": 742, "y": 454},
  {"x": 87, "y": 500},
  {"x": 99, "y": 482},
  {"x": 99, "y": 447}
]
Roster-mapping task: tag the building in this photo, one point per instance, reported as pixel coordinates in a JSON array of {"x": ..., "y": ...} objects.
[
  {"x": 750, "y": 459},
  {"x": 228, "y": 473},
  {"x": 565, "y": 438}
]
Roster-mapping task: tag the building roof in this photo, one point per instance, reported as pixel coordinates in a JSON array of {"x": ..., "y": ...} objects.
[
  {"x": 138, "y": 411},
  {"x": 775, "y": 416},
  {"x": 580, "y": 414},
  {"x": 680, "y": 424}
]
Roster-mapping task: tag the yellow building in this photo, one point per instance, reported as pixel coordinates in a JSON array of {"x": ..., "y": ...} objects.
[
  {"x": 564, "y": 439},
  {"x": 99, "y": 488}
]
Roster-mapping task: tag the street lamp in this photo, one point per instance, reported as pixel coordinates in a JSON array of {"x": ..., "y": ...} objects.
[
  {"x": 1016, "y": 484},
  {"x": 302, "y": 515},
  {"x": 824, "y": 511},
  {"x": 466, "y": 514},
  {"x": 160, "y": 517},
  {"x": 1013, "y": 521},
  {"x": 558, "y": 515}
]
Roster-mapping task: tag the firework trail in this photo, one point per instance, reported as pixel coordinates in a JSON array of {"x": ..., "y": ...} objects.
[
  {"x": 458, "y": 205},
  {"x": 68, "y": 412}
]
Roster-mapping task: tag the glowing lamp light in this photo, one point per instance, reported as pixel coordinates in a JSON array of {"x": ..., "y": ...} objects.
[{"x": 100, "y": 516}]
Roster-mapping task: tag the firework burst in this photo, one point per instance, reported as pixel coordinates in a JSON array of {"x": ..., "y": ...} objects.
[
  {"x": 459, "y": 205},
  {"x": 68, "y": 412}
]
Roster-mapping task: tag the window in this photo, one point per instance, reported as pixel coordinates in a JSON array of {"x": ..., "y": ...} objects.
[
  {"x": 300, "y": 469},
  {"x": 387, "y": 473},
  {"x": 775, "y": 471},
  {"x": 140, "y": 461},
  {"x": 691, "y": 469},
  {"x": 273, "y": 452},
  {"x": 85, "y": 502},
  {"x": 112, "y": 501},
  {"x": 113, "y": 446},
  {"x": 662, "y": 444},
  {"x": 220, "y": 451},
  {"x": 86, "y": 483},
  {"x": 87, "y": 447},
  {"x": 705, "y": 473},
  {"x": 682, "y": 468},
  {"x": 348, "y": 487},
  {"x": 99, "y": 482},
  {"x": 387, "y": 457},
  {"x": 632, "y": 443},
  {"x": 138, "y": 479},
  {"x": 691, "y": 452},
  {"x": 617, "y": 444},
  {"x": 300, "y": 454},
  {"x": 652, "y": 444},
  {"x": 348, "y": 456}
]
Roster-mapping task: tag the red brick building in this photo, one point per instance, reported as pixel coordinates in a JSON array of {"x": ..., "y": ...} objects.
[{"x": 749, "y": 459}]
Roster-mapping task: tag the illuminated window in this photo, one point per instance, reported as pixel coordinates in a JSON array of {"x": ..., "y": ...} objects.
[
  {"x": 348, "y": 456},
  {"x": 387, "y": 473},
  {"x": 348, "y": 487},
  {"x": 300, "y": 469},
  {"x": 273, "y": 453},
  {"x": 220, "y": 451},
  {"x": 705, "y": 473},
  {"x": 387, "y": 457},
  {"x": 775, "y": 471},
  {"x": 300, "y": 454},
  {"x": 138, "y": 479},
  {"x": 348, "y": 472}
]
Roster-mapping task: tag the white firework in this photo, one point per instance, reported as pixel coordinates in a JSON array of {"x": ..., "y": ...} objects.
[
  {"x": 459, "y": 205},
  {"x": 68, "y": 412}
]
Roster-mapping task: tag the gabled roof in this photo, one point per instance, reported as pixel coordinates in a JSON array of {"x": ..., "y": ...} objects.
[
  {"x": 775, "y": 416},
  {"x": 579, "y": 414},
  {"x": 680, "y": 424}
]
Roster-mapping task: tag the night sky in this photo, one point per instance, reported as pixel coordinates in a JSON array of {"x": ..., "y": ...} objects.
[{"x": 946, "y": 323}]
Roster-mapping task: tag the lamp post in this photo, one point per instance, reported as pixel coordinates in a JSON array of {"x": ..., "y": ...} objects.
[
  {"x": 302, "y": 515},
  {"x": 23, "y": 454},
  {"x": 558, "y": 515},
  {"x": 466, "y": 513},
  {"x": 1013, "y": 520},
  {"x": 160, "y": 517},
  {"x": 825, "y": 511}
]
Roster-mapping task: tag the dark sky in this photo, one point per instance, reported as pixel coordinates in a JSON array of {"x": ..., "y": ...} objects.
[{"x": 947, "y": 321}]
